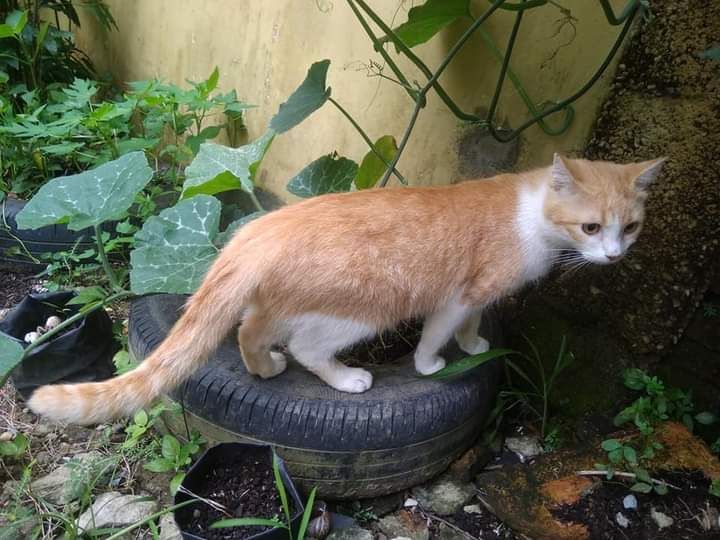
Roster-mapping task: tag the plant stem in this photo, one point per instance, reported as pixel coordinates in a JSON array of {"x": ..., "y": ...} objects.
[
  {"x": 625, "y": 475},
  {"x": 368, "y": 141},
  {"x": 112, "y": 277}
]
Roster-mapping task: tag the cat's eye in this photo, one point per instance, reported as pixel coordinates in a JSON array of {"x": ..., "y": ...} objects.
[
  {"x": 631, "y": 227},
  {"x": 591, "y": 228}
]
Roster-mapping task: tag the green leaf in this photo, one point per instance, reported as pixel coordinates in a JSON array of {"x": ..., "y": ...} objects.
[
  {"x": 280, "y": 486},
  {"x": 174, "y": 249},
  {"x": 60, "y": 149},
  {"x": 328, "y": 174},
  {"x": 224, "y": 237},
  {"x": 14, "y": 448},
  {"x": 123, "y": 362},
  {"x": 247, "y": 522},
  {"x": 159, "y": 465},
  {"x": 219, "y": 168},
  {"x": 175, "y": 482},
  {"x": 194, "y": 141},
  {"x": 307, "y": 513},
  {"x": 87, "y": 295},
  {"x": 89, "y": 198},
  {"x": 17, "y": 19},
  {"x": 715, "y": 488},
  {"x": 660, "y": 489},
  {"x": 713, "y": 53},
  {"x": 634, "y": 378},
  {"x": 372, "y": 167},
  {"x": 170, "y": 447},
  {"x": 141, "y": 418},
  {"x": 615, "y": 456},
  {"x": 6, "y": 31},
  {"x": 309, "y": 97},
  {"x": 643, "y": 475},
  {"x": 428, "y": 19},
  {"x": 630, "y": 455},
  {"x": 641, "y": 487},
  {"x": 11, "y": 353},
  {"x": 468, "y": 363},
  {"x": 706, "y": 418},
  {"x": 212, "y": 81}
]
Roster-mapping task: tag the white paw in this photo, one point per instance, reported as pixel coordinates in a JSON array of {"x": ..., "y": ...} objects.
[
  {"x": 429, "y": 365},
  {"x": 353, "y": 380},
  {"x": 475, "y": 345},
  {"x": 275, "y": 366}
]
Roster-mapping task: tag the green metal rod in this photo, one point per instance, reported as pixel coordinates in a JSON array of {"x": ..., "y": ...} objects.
[{"x": 628, "y": 11}]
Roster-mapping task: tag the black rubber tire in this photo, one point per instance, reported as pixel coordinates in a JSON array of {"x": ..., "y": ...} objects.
[
  {"x": 50, "y": 239},
  {"x": 401, "y": 432}
]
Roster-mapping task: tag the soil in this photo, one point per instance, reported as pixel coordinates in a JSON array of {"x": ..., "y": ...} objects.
[
  {"x": 483, "y": 525},
  {"x": 387, "y": 347},
  {"x": 693, "y": 511},
  {"x": 14, "y": 286},
  {"x": 246, "y": 487}
]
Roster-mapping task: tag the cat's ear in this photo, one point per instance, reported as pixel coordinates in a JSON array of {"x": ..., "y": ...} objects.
[
  {"x": 562, "y": 179},
  {"x": 648, "y": 172}
]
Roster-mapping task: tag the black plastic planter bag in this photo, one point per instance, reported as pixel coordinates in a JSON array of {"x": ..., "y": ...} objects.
[{"x": 82, "y": 352}]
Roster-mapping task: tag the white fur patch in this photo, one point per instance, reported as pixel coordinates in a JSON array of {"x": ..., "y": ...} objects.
[{"x": 537, "y": 238}]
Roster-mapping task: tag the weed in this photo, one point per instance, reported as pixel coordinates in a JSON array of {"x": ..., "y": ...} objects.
[{"x": 175, "y": 457}]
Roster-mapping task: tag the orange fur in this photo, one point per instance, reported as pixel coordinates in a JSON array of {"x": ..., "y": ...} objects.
[{"x": 375, "y": 257}]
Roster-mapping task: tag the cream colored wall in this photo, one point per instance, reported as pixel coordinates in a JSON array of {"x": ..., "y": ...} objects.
[{"x": 263, "y": 49}]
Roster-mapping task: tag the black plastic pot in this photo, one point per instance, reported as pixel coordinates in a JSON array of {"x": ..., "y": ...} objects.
[
  {"x": 215, "y": 457},
  {"x": 81, "y": 353}
]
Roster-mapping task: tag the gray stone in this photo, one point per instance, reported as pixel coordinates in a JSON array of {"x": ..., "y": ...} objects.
[
  {"x": 113, "y": 509},
  {"x": 525, "y": 447},
  {"x": 621, "y": 520},
  {"x": 65, "y": 484},
  {"x": 351, "y": 533},
  {"x": 660, "y": 519},
  {"x": 444, "y": 496},
  {"x": 446, "y": 532},
  {"x": 472, "y": 509},
  {"x": 404, "y": 524},
  {"x": 169, "y": 529},
  {"x": 630, "y": 502}
]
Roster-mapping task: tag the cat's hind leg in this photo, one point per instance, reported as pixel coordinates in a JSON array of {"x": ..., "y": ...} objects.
[
  {"x": 437, "y": 330},
  {"x": 314, "y": 340},
  {"x": 467, "y": 335},
  {"x": 256, "y": 335}
]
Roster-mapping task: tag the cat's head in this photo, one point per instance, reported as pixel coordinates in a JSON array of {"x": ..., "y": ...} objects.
[{"x": 596, "y": 207}]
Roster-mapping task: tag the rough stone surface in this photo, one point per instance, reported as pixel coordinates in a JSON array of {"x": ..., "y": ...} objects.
[
  {"x": 113, "y": 509},
  {"x": 169, "y": 529},
  {"x": 525, "y": 447},
  {"x": 405, "y": 524},
  {"x": 621, "y": 520},
  {"x": 630, "y": 502},
  {"x": 58, "y": 487},
  {"x": 665, "y": 101},
  {"x": 351, "y": 533},
  {"x": 444, "y": 496},
  {"x": 660, "y": 519}
]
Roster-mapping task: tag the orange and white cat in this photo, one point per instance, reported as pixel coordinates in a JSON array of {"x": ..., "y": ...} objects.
[{"x": 328, "y": 272}]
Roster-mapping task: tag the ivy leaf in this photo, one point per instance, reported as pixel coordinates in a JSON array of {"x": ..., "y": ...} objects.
[
  {"x": 89, "y": 198},
  {"x": 218, "y": 168},
  {"x": 372, "y": 167},
  {"x": 328, "y": 174},
  {"x": 428, "y": 19},
  {"x": 174, "y": 249},
  {"x": 11, "y": 353},
  {"x": 309, "y": 97}
]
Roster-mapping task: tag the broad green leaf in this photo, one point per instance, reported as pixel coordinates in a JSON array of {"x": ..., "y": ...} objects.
[
  {"x": 87, "y": 295},
  {"x": 428, "y": 19},
  {"x": 219, "y": 168},
  {"x": 468, "y": 363},
  {"x": 11, "y": 353},
  {"x": 15, "y": 447},
  {"x": 61, "y": 149},
  {"x": 372, "y": 167},
  {"x": 212, "y": 81},
  {"x": 309, "y": 97},
  {"x": 141, "y": 418},
  {"x": 706, "y": 418},
  {"x": 660, "y": 489},
  {"x": 174, "y": 249},
  {"x": 170, "y": 447},
  {"x": 328, "y": 174},
  {"x": 176, "y": 481},
  {"x": 630, "y": 455},
  {"x": 17, "y": 19},
  {"x": 611, "y": 444},
  {"x": 6, "y": 31},
  {"x": 89, "y": 198},
  {"x": 247, "y": 522},
  {"x": 158, "y": 465},
  {"x": 194, "y": 141},
  {"x": 224, "y": 237},
  {"x": 641, "y": 487}
]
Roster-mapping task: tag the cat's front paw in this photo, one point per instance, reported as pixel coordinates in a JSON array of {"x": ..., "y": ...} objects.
[
  {"x": 429, "y": 365},
  {"x": 474, "y": 345},
  {"x": 274, "y": 365},
  {"x": 353, "y": 380}
]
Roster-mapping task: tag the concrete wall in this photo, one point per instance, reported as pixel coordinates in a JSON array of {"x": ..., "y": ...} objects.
[{"x": 263, "y": 49}]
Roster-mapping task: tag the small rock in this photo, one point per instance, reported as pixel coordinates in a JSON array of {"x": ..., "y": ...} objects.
[
  {"x": 525, "y": 447},
  {"x": 630, "y": 502},
  {"x": 409, "y": 503},
  {"x": 472, "y": 509},
  {"x": 444, "y": 496},
  {"x": 113, "y": 509},
  {"x": 405, "y": 524},
  {"x": 6, "y": 436},
  {"x": 169, "y": 529},
  {"x": 57, "y": 486},
  {"x": 43, "y": 457},
  {"x": 661, "y": 520},
  {"x": 351, "y": 533},
  {"x": 622, "y": 520},
  {"x": 445, "y": 532}
]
